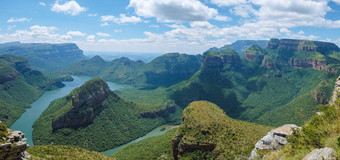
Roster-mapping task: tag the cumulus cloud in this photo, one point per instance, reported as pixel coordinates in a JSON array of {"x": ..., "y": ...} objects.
[
  {"x": 202, "y": 24},
  {"x": 222, "y": 18},
  {"x": 243, "y": 10},
  {"x": 13, "y": 20},
  {"x": 104, "y": 24},
  {"x": 173, "y": 10},
  {"x": 76, "y": 33},
  {"x": 121, "y": 19},
  {"x": 103, "y": 34},
  {"x": 42, "y": 3},
  {"x": 228, "y": 2},
  {"x": 337, "y": 1},
  {"x": 92, "y": 15},
  {"x": 69, "y": 7},
  {"x": 91, "y": 38}
]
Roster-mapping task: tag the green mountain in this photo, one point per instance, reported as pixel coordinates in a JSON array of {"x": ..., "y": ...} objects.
[
  {"x": 240, "y": 46},
  {"x": 43, "y": 56},
  {"x": 19, "y": 87},
  {"x": 272, "y": 86},
  {"x": 164, "y": 70},
  {"x": 205, "y": 133},
  {"x": 95, "y": 118}
]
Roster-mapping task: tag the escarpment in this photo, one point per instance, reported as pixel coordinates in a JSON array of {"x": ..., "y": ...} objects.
[
  {"x": 294, "y": 53},
  {"x": 87, "y": 103},
  {"x": 160, "y": 113}
]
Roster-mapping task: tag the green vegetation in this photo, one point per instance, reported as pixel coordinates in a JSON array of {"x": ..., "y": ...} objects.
[
  {"x": 59, "y": 152},
  {"x": 3, "y": 131},
  {"x": 20, "y": 86},
  {"x": 204, "y": 123},
  {"x": 118, "y": 123},
  {"x": 158, "y": 147},
  {"x": 45, "y": 57},
  {"x": 320, "y": 131},
  {"x": 165, "y": 70}
]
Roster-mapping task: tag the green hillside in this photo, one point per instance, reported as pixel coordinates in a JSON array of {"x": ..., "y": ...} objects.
[
  {"x": 94, "y": 118},
  {"x": 19, "y": 87},
  {"x": 320, "y": 131},
  {"x": 158, "y": 147},
  {"x": 59, "y": 152},
  {"x": 164, "y": 70}
]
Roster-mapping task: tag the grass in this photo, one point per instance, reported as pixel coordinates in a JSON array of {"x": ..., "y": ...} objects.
[
  {"x": 204, "y": 122},
  {"x": 320, "y": 131},
  {"x": 158, "y": 147},
  {"x": 63, "y": 152}
]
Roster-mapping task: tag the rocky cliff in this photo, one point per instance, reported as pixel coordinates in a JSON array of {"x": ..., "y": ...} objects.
[
  {"x": 302, "y": 45},
  {"x": 87, "y": 103},
  {"x": 44, "y": 56},
  {"x": 12, "y": 144},
  {"x": 170, "y": 108}
]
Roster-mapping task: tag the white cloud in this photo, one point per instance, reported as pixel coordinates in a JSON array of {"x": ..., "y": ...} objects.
[
  {"x": 173, "y": 10},
  {"x": 336, "y": 1},
  {"x": 117, "y": 30},
  {"x": 91, "y": 38},
  {"x": 92, "y": 15},
  {"x": 42, "y": 3},
  {"x": 11, "y": 27},
  {"x": 103, "y": 34},
  {"x": 222, "y": 18},
  {"x": 121, "y": 19},
  {"x": 104, "y": 24},
  {"x": 228, "y": 2},
  {"x": 201, "y": 24},
  {"x": 76, "y": 33},
  {"x": 69, "y": 7},
  {"x": 154, "y": 26},
  {"x": 243, "y": 10},
  {"x": 12, "y": 20},
  {"x": 66, "y": 37}
]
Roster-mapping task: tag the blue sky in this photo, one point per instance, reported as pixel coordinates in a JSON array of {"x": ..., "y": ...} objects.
[{"x": 161, "y": 26}]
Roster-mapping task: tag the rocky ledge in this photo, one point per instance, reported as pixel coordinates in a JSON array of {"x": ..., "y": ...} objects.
[
  {"x": 321, "y": 154},
  {"x": 87, "y": 103},
  {"x": 13, "y": 145},
  {"x": 160, "y": 113},
  {"x": 275, "y": 139}
]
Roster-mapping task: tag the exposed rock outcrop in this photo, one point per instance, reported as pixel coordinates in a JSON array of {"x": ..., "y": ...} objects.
[
  {"x": 254, "y": 58},
  {"x": 13, "y": 146},
  {"x": 321, "y": 154},
  {"x": 87, "y": 103},
  {"x": 274, "y": 140}
]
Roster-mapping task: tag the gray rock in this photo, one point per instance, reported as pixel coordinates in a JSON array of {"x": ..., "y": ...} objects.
[
  {"x": 274, "y": 139},
  {"x": 321, "y": 154}
]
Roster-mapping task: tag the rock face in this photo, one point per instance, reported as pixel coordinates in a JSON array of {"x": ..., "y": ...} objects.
[
  {"x": 254, "y": 58},
  {"x": 274, "y": 140},
  {"x": 321, "y": 154},
  {"x": 13, "y": 146},
  {"x": 87, "y": 103},
  {"x": 302, "y": 45}
]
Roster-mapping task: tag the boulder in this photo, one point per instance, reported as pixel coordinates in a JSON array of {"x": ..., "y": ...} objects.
[
  {"x": 275, "y": 139},
  {"x": 321, "y": 154}
]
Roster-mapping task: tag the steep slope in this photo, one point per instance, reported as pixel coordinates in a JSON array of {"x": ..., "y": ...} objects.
[
  {"x": 207, "y": 133},
  {"x": 43, "y": 56},
  {"x": 19, "y": 86},
  {"x": 59, "y": 152},
  {"x": 95, "y": 118},
  {"x": 158, "y": 147},
  {"x": 264, "y": 88},
  {"x": 164, "y": 70}
]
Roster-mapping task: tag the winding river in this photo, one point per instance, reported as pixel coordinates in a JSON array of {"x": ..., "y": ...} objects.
[{"x": 25, "y": 122}]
